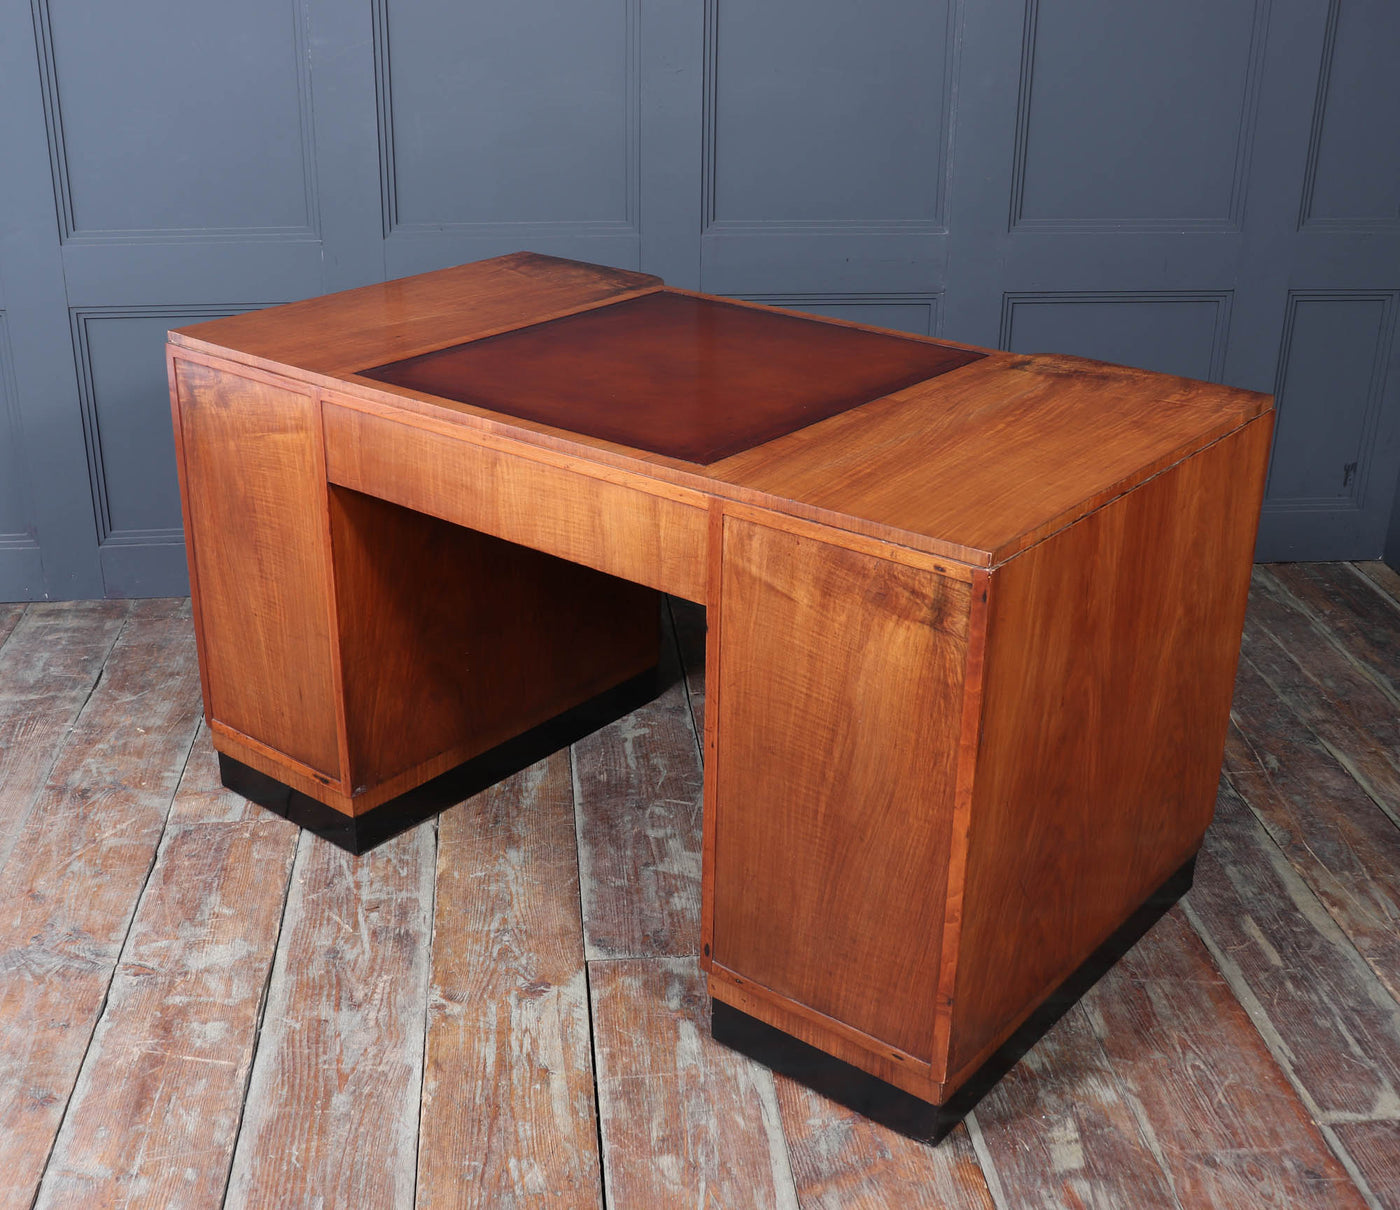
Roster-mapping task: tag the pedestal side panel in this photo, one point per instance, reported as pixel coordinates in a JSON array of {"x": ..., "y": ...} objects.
[
  {"x": 840, "y": 689},
  {"x": 1111, "y": 653},
  {"x": 254, "y": 495}
]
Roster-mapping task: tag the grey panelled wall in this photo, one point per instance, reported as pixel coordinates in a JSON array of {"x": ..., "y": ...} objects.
[{"x": 1208, "y": 187}]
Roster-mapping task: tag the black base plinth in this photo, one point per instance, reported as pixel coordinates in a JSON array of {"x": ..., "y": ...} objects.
[
  {"x": 360, "y": 833},
  {"x": 902, "y": 1111}
]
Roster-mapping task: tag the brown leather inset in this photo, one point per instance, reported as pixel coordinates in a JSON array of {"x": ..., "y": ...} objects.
[{"x": 687, "y": 377}]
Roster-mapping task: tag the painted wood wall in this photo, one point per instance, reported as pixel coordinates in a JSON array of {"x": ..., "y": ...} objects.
[{"x": 1209, "y": 187}]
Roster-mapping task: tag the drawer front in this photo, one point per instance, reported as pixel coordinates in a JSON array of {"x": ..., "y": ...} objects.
[{"x": 620, "y": 528}]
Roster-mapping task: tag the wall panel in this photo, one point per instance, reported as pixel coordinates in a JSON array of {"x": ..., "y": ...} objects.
[
  {"x": 171, "y": 121},
  {"x": 1336, "y": 350},
  {"x": 827, "y": 146},
  {"x": 828, "y": 114},
  {"x": 1353, "y": 173},
  {"x": 512, "y": 114},
  {"x": 131, "y": 448},
  {"x": 508, "y": 126},
  {"x": 1136, "y": 115},
  {"x": 19, "y": 553},
  {"x": 12, "y": 493},
  {"x": 1208, "y": 187}
]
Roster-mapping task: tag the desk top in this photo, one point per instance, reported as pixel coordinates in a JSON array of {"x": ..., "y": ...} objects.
[{"x": 970, "y": 454}]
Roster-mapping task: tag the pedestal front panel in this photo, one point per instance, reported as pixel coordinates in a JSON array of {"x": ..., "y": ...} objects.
[{"x": 840, "y": 696}]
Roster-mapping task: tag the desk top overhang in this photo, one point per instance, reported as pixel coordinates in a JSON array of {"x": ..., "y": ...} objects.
[{"x": 986, "y": 456}]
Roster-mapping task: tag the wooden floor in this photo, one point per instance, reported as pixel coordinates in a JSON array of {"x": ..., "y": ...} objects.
[{"x": 200, "y": 1006}]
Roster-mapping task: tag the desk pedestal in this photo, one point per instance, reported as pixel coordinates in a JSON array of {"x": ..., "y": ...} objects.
[{"x": 932, "y": 789}]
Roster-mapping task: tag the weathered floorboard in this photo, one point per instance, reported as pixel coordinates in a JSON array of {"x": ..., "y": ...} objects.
[
  {"x": 842, "y": 1160},
  {"x": 155, "y": 1113},
  {"x": 1376, "y": 1148},
  {"x": 202, "y": 797},
  {"x": 638, "y": 784},
  {"x": 1205, "y": 1076},
  {"x": 332, "y": 1111},
  {"x": 508, "y": 1104},
  {"x": 1342, "y": 705},
  {"x": 1059, "y": 1132},
  {"x": 1365, "y": 622},
  {"x": 1386, "y": 578},
  {"x": 1220, "y": 1116},
  {"x": 52, "y": 659},
  {"x": 1286, "y": 959},
  {"x": 685, "y": 1121},
  {"x": 76, "y": 873},
  {"x": 1344, "y": 846}
]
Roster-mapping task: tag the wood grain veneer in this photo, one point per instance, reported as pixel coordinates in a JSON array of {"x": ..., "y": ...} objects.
[
  {"x": 351, "y": 648},
  {"x": 340, "y": 333},
  {"x": 625, "y": 528},
  {"x": 1110, "y": 657},
  {"x": 971, "y": 466},
  {"x": 971, "y": 634},
  {"x": 839, "y": 706},
  {"x": 254, "y": 496},
  {"x": 996, "y": 457}
]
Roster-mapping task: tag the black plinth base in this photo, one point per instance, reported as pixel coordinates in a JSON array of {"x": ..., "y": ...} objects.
[
  {"x": 899, "y": 1110},
  {"x": 360, "y": 833}
]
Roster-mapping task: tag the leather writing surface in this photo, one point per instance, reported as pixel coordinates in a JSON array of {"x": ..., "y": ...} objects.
[{"x": 687, "y": 377}]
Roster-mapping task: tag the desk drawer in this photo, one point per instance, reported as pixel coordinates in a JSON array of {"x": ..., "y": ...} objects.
[{"x": 624, "y": 530}]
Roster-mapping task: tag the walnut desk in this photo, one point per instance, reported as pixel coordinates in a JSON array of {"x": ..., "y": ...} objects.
[{"x": 973, "y": 616}]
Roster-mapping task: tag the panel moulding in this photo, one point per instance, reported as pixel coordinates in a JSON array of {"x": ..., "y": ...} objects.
[
  {"x": 1319, "y": 119},
  {"x": 10, "y": 431},
  {"x": 71, "y": 233},
  {"x": 1244, "y": 145},
  {"x": 1352, "y": 501},
  {"x": 388, "y": 181},
  {"x": 711, "y": 224}
]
